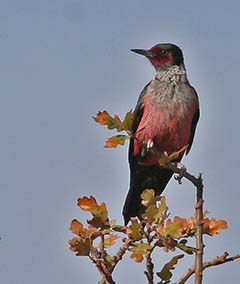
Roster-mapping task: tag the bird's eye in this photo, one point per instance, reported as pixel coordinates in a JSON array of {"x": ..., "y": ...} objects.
[{"x": 163, "y": 51}]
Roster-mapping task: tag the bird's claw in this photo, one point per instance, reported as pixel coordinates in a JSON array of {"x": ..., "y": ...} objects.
[
  {"x": 181, "y": 174},
  {"x": 146, "y": 147},
  {"x": 149, "y": 144}
]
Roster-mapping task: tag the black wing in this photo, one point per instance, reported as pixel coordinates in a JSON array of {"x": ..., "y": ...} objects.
[
  {"x": 193, "y": 128},
  {"x": 138, "y": 112}
]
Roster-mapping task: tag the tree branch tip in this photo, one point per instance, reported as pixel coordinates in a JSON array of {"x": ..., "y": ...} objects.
[
  {"x": 226, "y": 254},
  {"x": 199, "y": 204}
]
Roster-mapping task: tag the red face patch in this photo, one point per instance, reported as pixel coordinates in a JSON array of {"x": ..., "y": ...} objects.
[{"x": 161, "y": 57}]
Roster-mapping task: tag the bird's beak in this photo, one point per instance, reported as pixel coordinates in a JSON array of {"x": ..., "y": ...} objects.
[{"x": 145, "y": 52}]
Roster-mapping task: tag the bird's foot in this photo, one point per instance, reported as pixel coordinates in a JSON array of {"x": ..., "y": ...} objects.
[
  {"x": 147, "y": 146},
  {"x": 181, "y": 174}
]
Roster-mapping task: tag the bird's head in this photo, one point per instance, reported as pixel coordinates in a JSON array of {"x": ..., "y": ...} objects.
[{"x": 162, "y": 55}]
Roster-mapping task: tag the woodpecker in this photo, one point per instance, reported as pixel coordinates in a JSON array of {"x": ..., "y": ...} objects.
[{"x": 166, "y": 113}]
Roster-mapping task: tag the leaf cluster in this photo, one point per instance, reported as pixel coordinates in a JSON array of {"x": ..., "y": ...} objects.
[
  {"x": 114, "y": 122},
  {"x": 140, "y": 237}
]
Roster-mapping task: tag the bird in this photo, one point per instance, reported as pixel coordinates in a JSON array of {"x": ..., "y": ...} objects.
[{"x": 167, "y": 113}]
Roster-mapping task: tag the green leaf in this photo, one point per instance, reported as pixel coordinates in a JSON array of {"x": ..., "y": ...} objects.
[
  {"x": 154, "y": 212},
  {"x": 165, "y": 274},
  {"x": 173, "y": 230},
  {"x": 138, "y": 250},
  {"x": 135, "y": 230},
  {"x": 109, "y": 260},
  {"x": 187, "y": 249},
  {"x": 163, "y": 207},
  {"x": 101, "y": 211},
  {"x": 119, "y": 228},
  {"x": 127, "y": 122},
  {"x": 148, "y": 197}
]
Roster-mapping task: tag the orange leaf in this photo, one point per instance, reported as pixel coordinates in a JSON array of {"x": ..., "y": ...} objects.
[
  {"x": 90, "y": 232},
  {"x": 87, "y": 204},
  {"x": 90, "y": 204},
  {"x": 111, "y": 240},
  {"x": 214, "y": 226},
  {"x": 80, "y": 246},
  {"x": 116, "y": 140},
  {"x": 181, "y": 221},
  {"x": 137, "y": 257},
  {"x": 104, "y": 118},
  {"x": 76, "y": 227}
]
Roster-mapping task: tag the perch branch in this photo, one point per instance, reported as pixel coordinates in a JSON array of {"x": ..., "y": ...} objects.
[
  {"x": 199, "y": 234},
  {"x": 122, "y": 250},
  {"x": 216, "y": 261}
]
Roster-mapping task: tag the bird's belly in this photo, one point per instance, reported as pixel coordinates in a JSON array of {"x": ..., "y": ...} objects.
[{"x": 169, "y": 131}]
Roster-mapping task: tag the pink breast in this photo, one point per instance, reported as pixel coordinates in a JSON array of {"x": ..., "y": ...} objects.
[{"x": 169, "y": 128}]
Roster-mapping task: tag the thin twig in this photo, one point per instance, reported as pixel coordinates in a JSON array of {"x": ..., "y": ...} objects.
[
  {"x": 122, "y": 250},
  {"x": 102, "y": 249},
  {"x": 149, "y": 271},
  {"x": 98, "y": 258},
  {"x": 216, "y": 261},
  {"x": 149, "y": 264},
  {"x": 102, "y": 268}
]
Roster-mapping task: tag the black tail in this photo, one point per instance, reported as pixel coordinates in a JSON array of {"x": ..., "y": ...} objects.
[{"x": 143, "y": 177}]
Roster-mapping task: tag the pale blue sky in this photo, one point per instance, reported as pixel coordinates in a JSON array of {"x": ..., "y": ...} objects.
[{"x": 63, "y": 60}]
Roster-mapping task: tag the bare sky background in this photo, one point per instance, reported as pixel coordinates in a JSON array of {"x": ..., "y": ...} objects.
[{"x": 62, "y": 61}]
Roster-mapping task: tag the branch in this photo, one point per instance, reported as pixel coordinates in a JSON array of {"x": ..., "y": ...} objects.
[
  {"x": 122, "y": 250},
  {"x": 149, "y": 271},
  {"x": 197, "y": 182},
  {"x": 99, "y": 262},
  {"x": 220, "y": 260},
  {"x": 98, "y": 258},
  {"x": 149, "y": 264},
  {"x": 216, "y": 261},
  {"x": 199, "y": 234}
]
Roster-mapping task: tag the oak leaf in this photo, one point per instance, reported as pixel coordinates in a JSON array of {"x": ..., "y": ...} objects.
[
  {"x": 104, "y": 118},
  {"x": 81, "y": 246},
  {"x": 128, "y": 120},
  {"x": 116, "y": 140},
  {"x": 77, "y": 228},
  {"x": 90, "y": 204},
  {"x": 114, "y": 122},
  {"x": 139, "y": 250},
  {"x": 111, "y": 240},
  {"x": 87, "y": 203},
  {"x": 166, "y": 158},
  {"x": 156, "y": 213},
  {"x": 214, "y": 226},
  {"x": 148, "y": 197},
  {"x": 134, "y": 230},
  {"x": 165, "y": 274}
]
